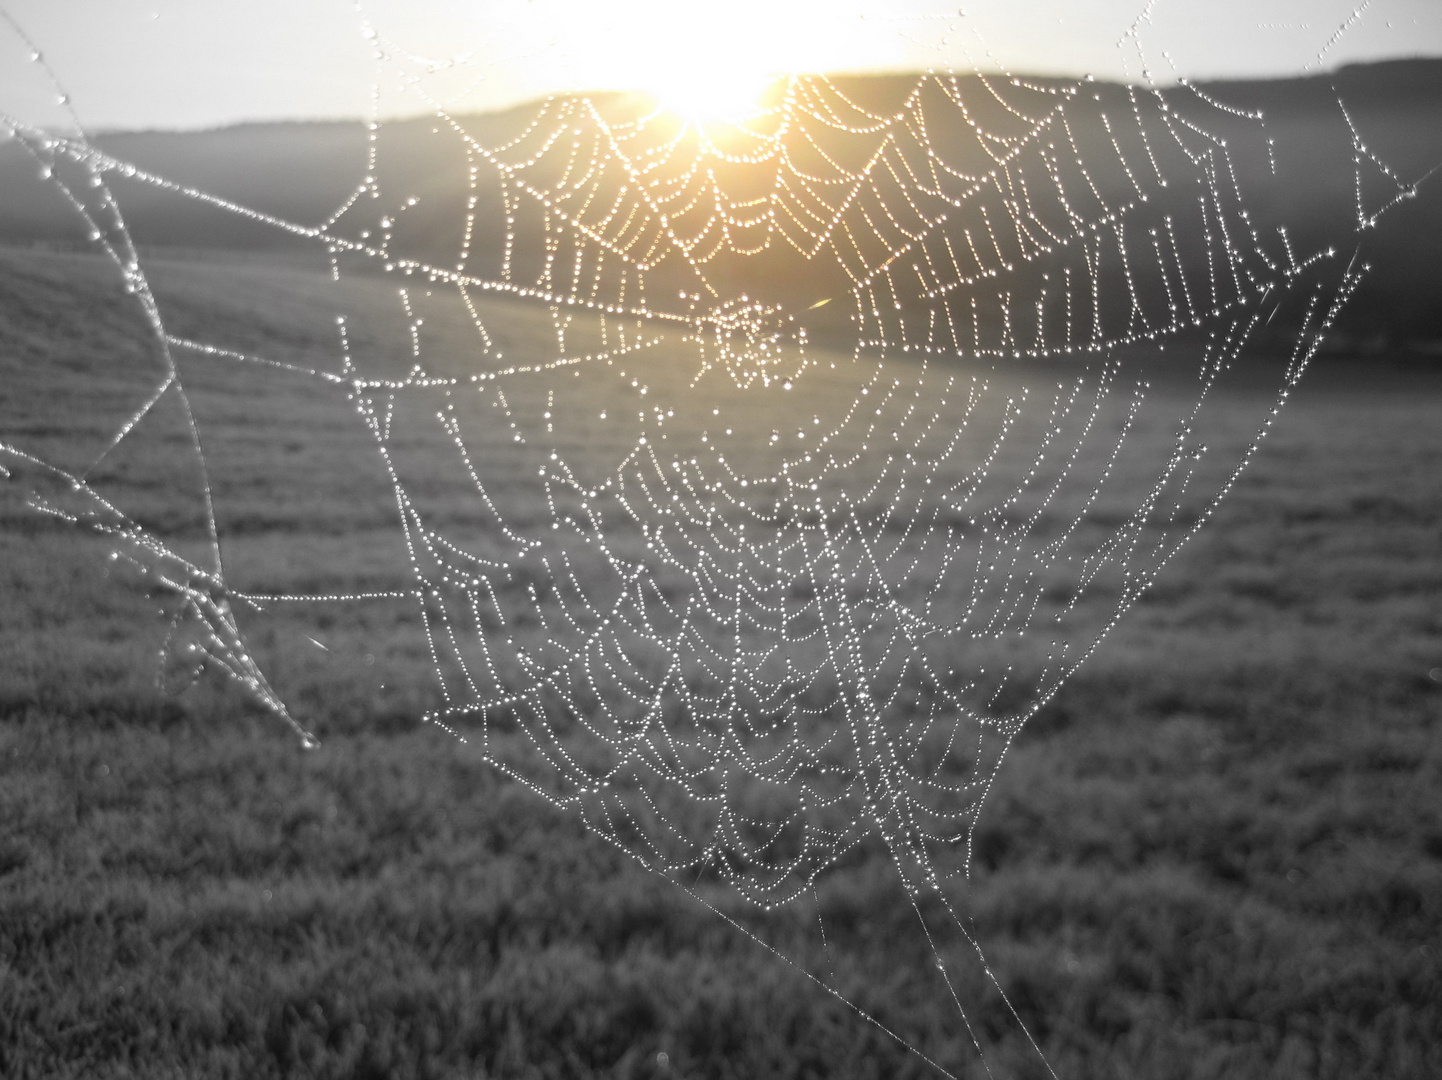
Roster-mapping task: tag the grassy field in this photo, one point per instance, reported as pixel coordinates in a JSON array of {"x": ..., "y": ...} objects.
[{"x": 1217, "y": 853}]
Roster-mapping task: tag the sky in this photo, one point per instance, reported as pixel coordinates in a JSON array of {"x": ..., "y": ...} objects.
[{"x": 184, "y": 64}]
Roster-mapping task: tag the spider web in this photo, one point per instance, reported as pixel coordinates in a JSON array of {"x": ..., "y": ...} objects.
[{"x": 750, "y": 486}]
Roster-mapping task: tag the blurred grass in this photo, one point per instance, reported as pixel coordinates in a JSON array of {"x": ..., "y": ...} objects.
[{"x": 1218, "y": 853}]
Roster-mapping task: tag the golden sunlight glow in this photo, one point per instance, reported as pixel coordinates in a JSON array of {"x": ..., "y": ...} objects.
[
  {"x": 706, "y": 94},
  {"x": 708, "y": 63}
]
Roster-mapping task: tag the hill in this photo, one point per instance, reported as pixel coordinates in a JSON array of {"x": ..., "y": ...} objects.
[{"x": 1309, "y": 167}]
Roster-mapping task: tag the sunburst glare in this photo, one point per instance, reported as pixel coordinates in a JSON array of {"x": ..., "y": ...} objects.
[{"x": 706, "y": 63}]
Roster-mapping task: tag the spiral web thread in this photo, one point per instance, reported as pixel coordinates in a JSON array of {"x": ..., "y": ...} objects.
[{"x": 817, "y": 474}]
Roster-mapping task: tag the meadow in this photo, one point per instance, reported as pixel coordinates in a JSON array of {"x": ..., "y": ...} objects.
[{"x": 1216, "y": 853}]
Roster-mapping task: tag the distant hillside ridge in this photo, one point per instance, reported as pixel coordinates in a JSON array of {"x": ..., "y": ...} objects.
[{"x": 302, "y": 172}]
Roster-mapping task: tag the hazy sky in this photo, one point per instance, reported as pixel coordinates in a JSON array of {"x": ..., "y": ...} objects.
[{"x": 199, "y": 63}]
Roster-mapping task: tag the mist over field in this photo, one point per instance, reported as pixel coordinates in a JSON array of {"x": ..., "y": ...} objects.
[{"x": 1214, "y": 849}]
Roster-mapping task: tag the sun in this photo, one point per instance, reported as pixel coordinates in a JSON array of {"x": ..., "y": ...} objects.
[
  {"x": 708, "y": 96},
  {"x": 706, "y": 64}
]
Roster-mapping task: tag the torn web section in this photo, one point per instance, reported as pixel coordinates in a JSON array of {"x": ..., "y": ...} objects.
[
  {"x": 73, "y": 325},
  {"x": 134, "y": 463},
  {"x": 92, "y": 413}
]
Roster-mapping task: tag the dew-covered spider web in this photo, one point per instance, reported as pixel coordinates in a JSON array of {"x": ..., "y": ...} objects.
[{"x": 743, "y": 488}]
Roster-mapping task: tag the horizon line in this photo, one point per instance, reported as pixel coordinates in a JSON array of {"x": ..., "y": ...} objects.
[{"x": 900, "y": 73}]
